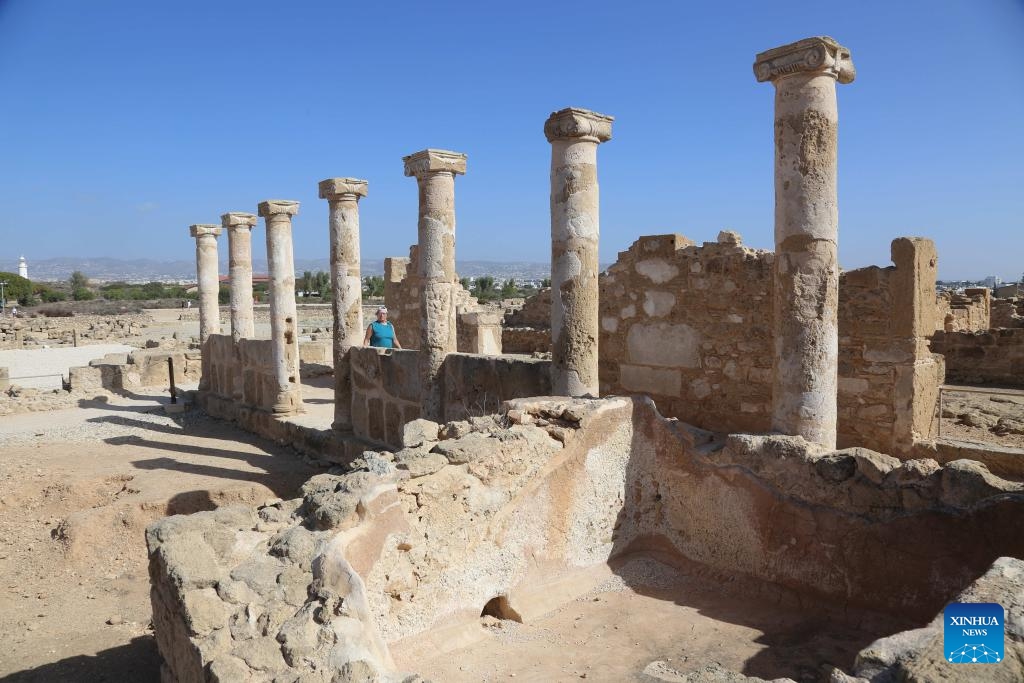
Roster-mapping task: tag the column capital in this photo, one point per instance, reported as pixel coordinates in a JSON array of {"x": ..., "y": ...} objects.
[
  {"x": 817, "y": 55},
  {"x": 572, "y": 122},
  {"x": 273, "y": 207},
  {"x": 433, "y": 161},
  {"x": 236, "y": 220},
  {"x": 343, "y": 188},
  {"x": 203, "y": 229}
]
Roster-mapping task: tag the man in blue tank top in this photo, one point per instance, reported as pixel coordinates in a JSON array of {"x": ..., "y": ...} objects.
[{"x": 381, "y": 332}]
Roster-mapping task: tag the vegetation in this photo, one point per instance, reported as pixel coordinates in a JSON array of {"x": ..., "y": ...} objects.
[
  {"x": 316, "y": 284},
  {"x": 122, "y": 291},
  {"x": 373, "y": 285},
  {"x": 17, "y": 289}
]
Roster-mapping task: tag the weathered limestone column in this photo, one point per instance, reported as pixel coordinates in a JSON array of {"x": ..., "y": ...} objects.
[
  {"x": 435, "y": 171},
  {"x": 208, "y": 278},
  {"x": 239, "y": 227},
  {"x": 343, "y": 196},
  {"x": 574, "y": 135},
  {"x": 806, "y": 233},
  {"x": 284, "y": 328}
]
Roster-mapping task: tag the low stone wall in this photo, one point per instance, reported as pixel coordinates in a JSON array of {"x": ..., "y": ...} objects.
[
  {"x": 80, "y": 329},
  {"x": 990, "y": 357},
  {"x": 477, "y": 385},
  {"x": 242, "y": 373},
  {"x": 526, "y": 340},
  {"x": 140, "y": 369},
  {"x": 385, "y": 392}
]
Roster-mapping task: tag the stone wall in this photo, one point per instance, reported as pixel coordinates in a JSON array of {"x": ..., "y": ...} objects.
[
  {"x": 241, "y": 373},
  {"x": 83, "y": 329},
  {"x": 385, "y": 392},
  {"x": 888, "y": 379},
  {"x": 989, "y": 357},
  {"x": 967, "y": 312},
  {"x": 1007, "y": 313},
  {"x": 690, "y": 326},
  {"x": 477, "y": 385},
  {"x": 527, "y": 329}
]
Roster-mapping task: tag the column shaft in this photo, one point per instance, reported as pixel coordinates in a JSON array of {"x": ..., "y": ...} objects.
[
  {"x": 435, "y": 177},
  {"x": 207, "y": 279},
  {"x": 239, "y": 227},
  {"x": 284, "y": 329},
  {"x": 575, "y": 230},
  {"x": 806, "y": 296},
  {"x": 346, "y": 286}
]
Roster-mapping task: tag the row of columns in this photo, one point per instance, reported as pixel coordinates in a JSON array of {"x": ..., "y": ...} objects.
[{"x": 806, "y": 266}]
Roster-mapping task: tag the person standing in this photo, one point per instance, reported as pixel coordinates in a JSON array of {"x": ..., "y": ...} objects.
[{"x": 381, "y": 332}]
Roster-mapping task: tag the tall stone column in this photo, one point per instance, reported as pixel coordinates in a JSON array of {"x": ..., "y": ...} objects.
[
  {"x": 574, "y": 135},
  {"x": 208, "y": 278},
  {"x": 804, "y": 390},
  {"x": 284, "y": 327},
  {"x": 239, "y": 227},
  {"x": 343, "y": 196},
  {"x": 435, "y": 171}
]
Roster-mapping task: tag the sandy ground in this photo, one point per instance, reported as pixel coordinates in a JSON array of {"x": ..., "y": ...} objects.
[
  {"x": 77, "y": 489},
  {"x": 53, "y": 362},
  {"x": 996, "y": 417},
  {"x": 654, "y": 619}
]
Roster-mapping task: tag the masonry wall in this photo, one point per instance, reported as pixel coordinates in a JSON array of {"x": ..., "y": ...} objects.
[
  {"x": 967, "y": 312},
  {"x": 242, "y": 372},
  {"x": 888, "y": 378},
  {"x": 1007, "y": 313},
  {"x": 385, "y": 393},
  {"x": 85, "y": 329},
  {"x": 477, "y": 385},
  {"x": 989, "y": 357},
  {"x": 528, "y": 329},
  {"x": 691, "y": 326}
]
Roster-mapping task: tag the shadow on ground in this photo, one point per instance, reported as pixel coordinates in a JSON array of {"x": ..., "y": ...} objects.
[{"x": 137, "y": 661}]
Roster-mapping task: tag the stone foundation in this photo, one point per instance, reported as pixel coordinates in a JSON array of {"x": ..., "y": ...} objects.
[
  {"x": 989, "y": 357},
  {"x": 520, "y": 504}
]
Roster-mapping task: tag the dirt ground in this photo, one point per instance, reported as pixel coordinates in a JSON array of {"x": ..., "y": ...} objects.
[
  {"x": 994, "y": 418},
  {"x": 77, "y": 489}
]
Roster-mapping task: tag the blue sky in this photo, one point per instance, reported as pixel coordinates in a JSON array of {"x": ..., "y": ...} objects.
[{"x": 121, "y": 122}]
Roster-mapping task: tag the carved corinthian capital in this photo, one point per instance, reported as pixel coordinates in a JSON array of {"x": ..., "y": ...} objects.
[
  {"x": 820, "y": 54},
  {"x": 578, "y": 123},
  {"x": 433, "y": 161}
]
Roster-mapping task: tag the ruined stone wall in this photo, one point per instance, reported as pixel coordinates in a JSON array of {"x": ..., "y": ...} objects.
[
  {"x": 477, "y": 385},
  {"x": 989, "y": 357},
  {"x": 90, "y": 329},
  {"x": 1007, "y": 313},
  {"x": 242, "y": 372},
  {"x": 385, "y": 393},
  {"x": 691, "y": 326},
  {"x": 888, "y": 379},
  {"x": 527, "y": 329},
  {"x": 967, "y": 312}
]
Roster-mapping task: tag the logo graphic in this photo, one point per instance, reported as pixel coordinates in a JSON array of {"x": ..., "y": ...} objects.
[{"x": 973, "y": 632}]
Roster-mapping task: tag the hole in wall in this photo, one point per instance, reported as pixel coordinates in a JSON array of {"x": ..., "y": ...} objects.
[{"x": 499, "y": 608}]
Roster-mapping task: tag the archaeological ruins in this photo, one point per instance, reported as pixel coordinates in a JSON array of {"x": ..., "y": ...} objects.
[{"x": 758, "y": 419}]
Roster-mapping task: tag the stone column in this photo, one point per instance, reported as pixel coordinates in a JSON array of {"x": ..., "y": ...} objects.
[
  {"x": 284, "y": 327},
  {"x": 239, "y": 227},
  {"x": 806, "y": 232},
  {"x": 208, "y": 279},
  {"x": 435, "y": 171},
  {"x": 574, "y": 135},
  {"x": 346, "y": 285}
]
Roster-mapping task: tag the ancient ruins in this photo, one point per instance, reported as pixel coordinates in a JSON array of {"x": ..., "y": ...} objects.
[{"x": 756, "y": 419}]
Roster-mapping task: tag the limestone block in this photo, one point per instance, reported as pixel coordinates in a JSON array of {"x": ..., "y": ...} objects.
[
  {"x": 664, "y": 344},
  {"x": 419, "y": 432},
  {"x": 656, "y": 381},
  {"x": 658, "y": 304}
]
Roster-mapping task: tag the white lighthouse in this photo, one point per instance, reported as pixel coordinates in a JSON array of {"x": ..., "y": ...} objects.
[{"x": 23, "y": 268}]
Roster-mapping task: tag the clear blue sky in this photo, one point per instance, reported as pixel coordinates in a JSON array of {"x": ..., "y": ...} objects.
[{"x": 122, "y": 122}]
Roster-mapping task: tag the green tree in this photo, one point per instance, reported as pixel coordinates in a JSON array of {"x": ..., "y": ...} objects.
[
  {"x": 464, "y": 281},
  {"x": 373, "y": 285},
  {"x": 17, "y": 288},
  {"x": 82, "y": 294},
  {"x": 78, "y": 280},
  {"x": 546, "y": 282},
  {"x": 322, "y": 283},
  {"x": 509, "y": 288}
]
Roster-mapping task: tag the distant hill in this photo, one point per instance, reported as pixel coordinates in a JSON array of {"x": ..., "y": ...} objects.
[{"x": 146, "y": 270}]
